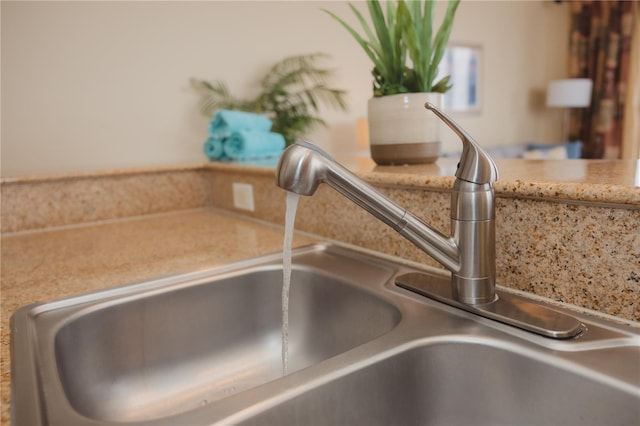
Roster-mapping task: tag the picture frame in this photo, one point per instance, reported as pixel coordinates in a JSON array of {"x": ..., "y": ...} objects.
[{"x": 463, "y": 62}]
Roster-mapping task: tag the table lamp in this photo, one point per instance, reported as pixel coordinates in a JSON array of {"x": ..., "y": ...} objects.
[{"x": 569, "y": 93}]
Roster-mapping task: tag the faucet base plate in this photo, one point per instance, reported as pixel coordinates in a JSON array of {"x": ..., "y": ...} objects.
[{"x": 507, "y": 308}]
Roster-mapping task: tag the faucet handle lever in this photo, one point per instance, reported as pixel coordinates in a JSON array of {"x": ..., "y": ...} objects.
[{"x": 475, "y": 164}]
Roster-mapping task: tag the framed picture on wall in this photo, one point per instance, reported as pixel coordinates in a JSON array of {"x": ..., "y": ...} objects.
[{"x": 463, "y": 63}]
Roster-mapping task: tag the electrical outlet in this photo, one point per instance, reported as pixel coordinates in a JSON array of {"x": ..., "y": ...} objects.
[{"x": 243, "y": 196}]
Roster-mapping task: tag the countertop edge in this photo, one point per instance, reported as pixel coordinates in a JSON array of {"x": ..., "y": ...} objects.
[{"x": 440, "y": 178}]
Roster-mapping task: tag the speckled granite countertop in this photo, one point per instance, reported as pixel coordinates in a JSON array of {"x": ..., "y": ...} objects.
[
  {"x": 47, "y": 265},
  {"x": 604, "y": 181},
  {"x": 48, "y": 201},
  {"x": 562, "y": 225}
]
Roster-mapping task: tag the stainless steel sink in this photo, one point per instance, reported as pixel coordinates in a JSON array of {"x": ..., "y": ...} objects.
[
  {"x": 149, "y": 351},
  {"x": 205, "y": 348}
]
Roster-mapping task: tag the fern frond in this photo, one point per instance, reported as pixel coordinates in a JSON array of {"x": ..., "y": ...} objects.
[
  {"x": 291, "y": 92},
  {"x": 214, "y": 96}
]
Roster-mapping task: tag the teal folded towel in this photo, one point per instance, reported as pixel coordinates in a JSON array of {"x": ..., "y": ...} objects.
[
  {"x": 253, "y": 144},
  {"x": 214, "y": 147},
  {"x": 228, "y": 120}
]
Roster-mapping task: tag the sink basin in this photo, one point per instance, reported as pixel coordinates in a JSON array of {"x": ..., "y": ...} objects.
[
  {"x": 464, "y": 383},
  {"x": 163, "y": 348},
  {"x": 205, "y": 348},
  {"x": 199, "y": 343}
]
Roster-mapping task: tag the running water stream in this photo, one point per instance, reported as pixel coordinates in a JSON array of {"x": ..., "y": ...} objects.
[{"x": 290, "y": 217}]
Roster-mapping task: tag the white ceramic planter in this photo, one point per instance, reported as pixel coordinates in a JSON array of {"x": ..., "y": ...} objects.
[{"x": 402, "y": 130}]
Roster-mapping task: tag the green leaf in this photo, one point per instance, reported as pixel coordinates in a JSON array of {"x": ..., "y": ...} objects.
[
  {"x": 373, "y": 51},
  {"x": 442, "y": 38},
  {"x": 442, "y": 86},
  {"x": 384, "y": 38}
]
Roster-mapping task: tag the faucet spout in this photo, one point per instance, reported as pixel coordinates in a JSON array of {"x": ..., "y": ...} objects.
[{"x": 304, "y": 166}]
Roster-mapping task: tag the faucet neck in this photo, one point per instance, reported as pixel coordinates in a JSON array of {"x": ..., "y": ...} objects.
[{"x": 473, "y": 219}]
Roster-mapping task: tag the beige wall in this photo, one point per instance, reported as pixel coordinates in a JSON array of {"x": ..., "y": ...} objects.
[{"x": 104, "y": 85}]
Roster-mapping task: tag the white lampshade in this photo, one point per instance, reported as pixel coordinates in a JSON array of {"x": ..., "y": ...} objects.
[{"x": 569, "y": 93}]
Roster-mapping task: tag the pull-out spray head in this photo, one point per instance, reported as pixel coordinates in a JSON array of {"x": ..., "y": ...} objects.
[{"x": 302, "y": 167}]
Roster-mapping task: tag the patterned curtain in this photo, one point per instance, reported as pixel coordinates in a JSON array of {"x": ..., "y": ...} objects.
[{"x": 599, "y": 48}]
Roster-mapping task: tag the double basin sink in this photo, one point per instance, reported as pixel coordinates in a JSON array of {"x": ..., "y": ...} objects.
[{"x": 205, "y": 348}]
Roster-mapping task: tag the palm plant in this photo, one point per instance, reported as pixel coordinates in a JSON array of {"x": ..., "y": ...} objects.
[
  {"x": 291, "y": 93},
  {"x": 406, "y": 28}
]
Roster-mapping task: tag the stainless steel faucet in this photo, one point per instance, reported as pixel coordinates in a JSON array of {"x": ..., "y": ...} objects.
[{"x": 469, "y": 252}]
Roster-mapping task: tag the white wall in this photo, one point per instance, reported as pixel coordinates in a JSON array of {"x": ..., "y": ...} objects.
[{"x": 105, "y": 85}]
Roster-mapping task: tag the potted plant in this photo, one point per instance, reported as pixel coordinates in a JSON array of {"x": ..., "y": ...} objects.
[
  {"x": 291, "y": 93},
  {"x": 400, "y": 129}
]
